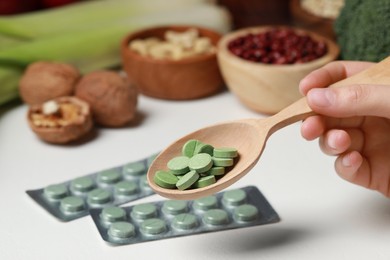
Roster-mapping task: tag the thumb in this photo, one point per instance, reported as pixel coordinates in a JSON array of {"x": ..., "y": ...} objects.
[{"x": 352, "y": 100}]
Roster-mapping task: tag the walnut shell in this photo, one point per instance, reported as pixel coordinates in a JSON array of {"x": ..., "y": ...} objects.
[
  {"x": 70, "y": 122},
  {"x": 113, "y": 99},
  {"x": 43, "y": 81}
]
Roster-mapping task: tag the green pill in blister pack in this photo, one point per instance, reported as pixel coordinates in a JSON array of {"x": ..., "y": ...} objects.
[
  {"x": 231, "y": 209},
  {"x": 73, "y": 199}
]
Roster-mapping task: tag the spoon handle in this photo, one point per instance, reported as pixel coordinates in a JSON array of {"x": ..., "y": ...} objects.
[
  {"x": 295, "y": 112},
  {"x": 376, "y": 74}
]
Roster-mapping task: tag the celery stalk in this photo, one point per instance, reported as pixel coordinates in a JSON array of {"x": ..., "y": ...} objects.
[
  {"x": 99, "y": 46},
  {"x": 9, "y": 83},
  {"x": 75, "y": 16},
  {"x": 7, "y": 41}
]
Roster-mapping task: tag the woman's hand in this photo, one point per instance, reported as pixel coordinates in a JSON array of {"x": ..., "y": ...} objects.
[{"x": 354, "y": 124}]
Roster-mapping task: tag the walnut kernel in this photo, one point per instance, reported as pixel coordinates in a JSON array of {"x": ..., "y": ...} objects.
[{"x": 71, "y": 120}]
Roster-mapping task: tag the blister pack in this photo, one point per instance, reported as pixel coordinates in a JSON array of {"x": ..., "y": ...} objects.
[
  {"x": 226, "y": 210},
  {"x": 114, "y": 186}
]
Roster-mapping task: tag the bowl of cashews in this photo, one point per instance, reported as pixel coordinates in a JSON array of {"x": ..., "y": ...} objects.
[{"x": 173, "y": 62}]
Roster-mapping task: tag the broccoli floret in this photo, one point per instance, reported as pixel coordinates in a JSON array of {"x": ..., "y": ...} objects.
[{"x": 363, "y": 30}]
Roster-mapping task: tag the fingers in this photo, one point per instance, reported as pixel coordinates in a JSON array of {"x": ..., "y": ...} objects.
[
  {"x": 313, "y": 127},
  {"x": 350, "y": 164},
  {"x": 353, "y": 168},
  {"x": 347, "y": 144},
  {"x": 335, "y": 142},
  {"x": 346, "y": 108},
  {"x": 331, "y": 73},
  {"x": 348, "y": 101}
]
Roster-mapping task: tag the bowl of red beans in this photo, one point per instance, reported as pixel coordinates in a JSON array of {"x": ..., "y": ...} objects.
[{"x": 263, "y": 65}]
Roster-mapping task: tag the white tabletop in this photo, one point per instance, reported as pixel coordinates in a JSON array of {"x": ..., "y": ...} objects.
[{"x": 322, "y": 216}]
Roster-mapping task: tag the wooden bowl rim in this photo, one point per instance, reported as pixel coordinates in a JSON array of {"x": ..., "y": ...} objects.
[
  {"x": 332, "y": 54},
  {"x": 298, "y": 11},
  {"x": 127, "y": 52}
]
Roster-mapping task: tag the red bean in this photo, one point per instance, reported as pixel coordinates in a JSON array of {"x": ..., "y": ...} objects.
[{"x": 277, "y": 46}]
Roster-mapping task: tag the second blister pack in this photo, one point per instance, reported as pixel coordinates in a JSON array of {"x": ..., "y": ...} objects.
[{"x": 74, "y": 198}]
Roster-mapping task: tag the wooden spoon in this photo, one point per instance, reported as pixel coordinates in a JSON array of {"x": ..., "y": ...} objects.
[{"x": 249, "y": 136}]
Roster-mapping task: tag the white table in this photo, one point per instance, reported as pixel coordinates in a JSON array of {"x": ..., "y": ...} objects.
[{"x": 323, "y": 217}]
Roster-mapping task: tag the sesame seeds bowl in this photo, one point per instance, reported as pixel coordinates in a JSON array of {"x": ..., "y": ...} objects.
[
  {"x": 163, "y": 71},
  {"x": 266, "y": 79}
]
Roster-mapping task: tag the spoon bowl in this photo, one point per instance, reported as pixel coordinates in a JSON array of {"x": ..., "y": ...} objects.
[
  {"x": 244, "y": 135},
  {"x": 249, "y": 137}
]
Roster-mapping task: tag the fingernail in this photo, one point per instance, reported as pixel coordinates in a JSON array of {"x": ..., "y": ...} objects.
[
  {"x": 332, "y": 143},
  {"x": 321, "y": 97},
  {"x": 346, "y": 161}
]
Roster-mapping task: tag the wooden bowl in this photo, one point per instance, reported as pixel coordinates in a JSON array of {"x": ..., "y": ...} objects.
[
  {"x": 267, "y": 88},
  {"x": 312, "y": 22},
  {"x": 189, "y": 78}
]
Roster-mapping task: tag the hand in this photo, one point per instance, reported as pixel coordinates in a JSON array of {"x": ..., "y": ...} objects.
[{"x": 354, "y": 124}]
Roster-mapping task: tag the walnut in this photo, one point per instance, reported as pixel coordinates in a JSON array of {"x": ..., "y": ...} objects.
[
  {"x": 112, "y": 98},
  {"x": 60, "y": 120},
  {"x": 43, "y": 81}
]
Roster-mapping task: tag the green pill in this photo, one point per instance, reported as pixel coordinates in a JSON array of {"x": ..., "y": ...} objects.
[
  {"x": 174, "y": 207},
  {"x": 188, "y": 149},
  {"x": 234, "y": 197},
  {"x": 144, "y": 211},
  {"x": 113, "y": 214},
  {"x": 109, "y": 177},
  {"x": 224, "y": 162},
  {"x": 121, "y": 230},
  {"x": 99, "y": 196},
  {"x": 201, "y": 162},
  {"x": 179, "y": 165},
  {"x": 205, "y": 181},
  {"x": 56, "y": 191},
  {"x": 218, "y": 170},
  {"x": 216, "y": 217},
  {"x": 153, "y": 226},
  {"x": 225, "y": 152},
  {"x": 185, "y": 221},
  {"x": 72, "y": 204},
  {"x": 125, "y": 188},
  {"x": 204, "y": 148},
  {"x": 82, "y": 184},
  {"x": 165, "y": 179},
  {"x": 246, "y": 213},
  {"x": 134, "y": 169},
  {"x": 205, "y": 203},
  {"x": 187, "y": 180}
]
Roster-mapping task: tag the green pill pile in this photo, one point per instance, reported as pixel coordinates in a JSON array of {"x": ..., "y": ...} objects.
[{"x": 198, "y": 166}]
